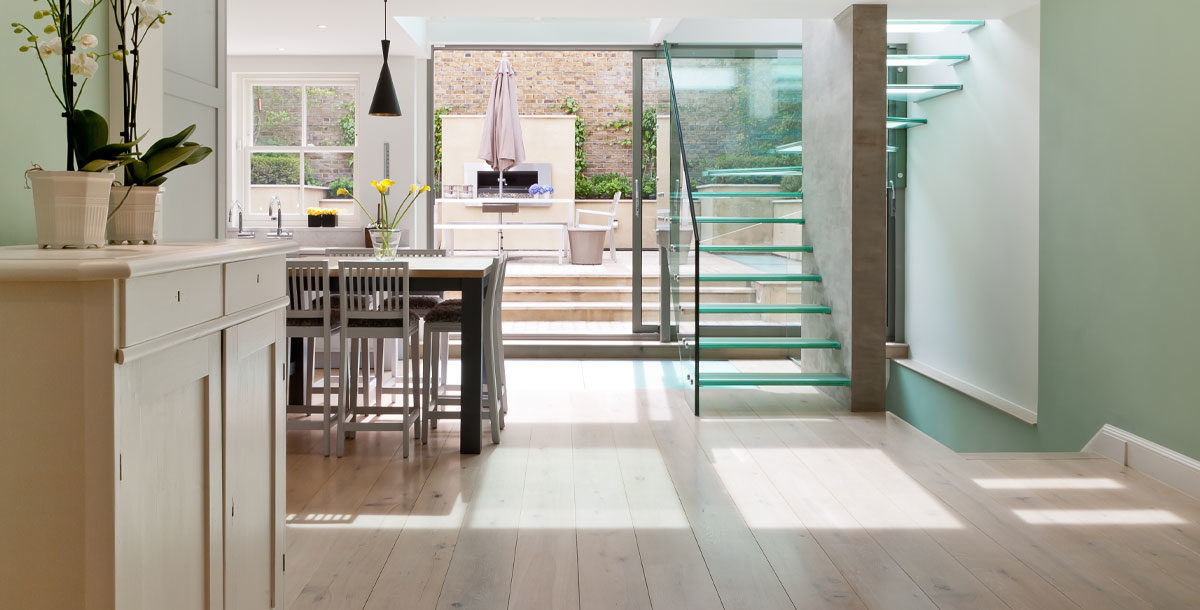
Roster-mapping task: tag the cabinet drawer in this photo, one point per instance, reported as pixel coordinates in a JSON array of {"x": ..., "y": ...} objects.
[
  {"x": 253, "y": 282},
  {"x": 155, "y": 305}
]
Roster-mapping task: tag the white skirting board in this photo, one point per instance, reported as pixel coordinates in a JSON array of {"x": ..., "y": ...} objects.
[{"x": 1150, "y": 458}]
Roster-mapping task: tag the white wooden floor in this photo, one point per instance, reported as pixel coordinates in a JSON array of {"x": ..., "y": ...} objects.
[{"x": 607, "y": 493}]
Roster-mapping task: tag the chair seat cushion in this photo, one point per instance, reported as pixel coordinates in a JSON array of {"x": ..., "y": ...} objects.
[
  {"x": 413, "y": 321},
  {"x": 449, "y": 310},
  {"x": 421, "y": 304}
]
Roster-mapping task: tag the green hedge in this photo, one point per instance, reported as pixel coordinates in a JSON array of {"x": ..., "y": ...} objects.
[
  {"x": 274, "y": 168},
  {"x": 603, "y": 186}
]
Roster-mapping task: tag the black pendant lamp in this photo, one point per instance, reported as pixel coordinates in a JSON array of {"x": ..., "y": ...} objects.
[{"x": 385, "y": 103}]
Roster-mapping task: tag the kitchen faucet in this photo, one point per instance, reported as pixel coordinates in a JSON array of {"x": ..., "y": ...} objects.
[
  {"x": 242, "y": 233},
  {"x": 275, "y": 211}
]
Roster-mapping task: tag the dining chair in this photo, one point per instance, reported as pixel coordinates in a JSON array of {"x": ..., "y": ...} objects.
[
  {"x": 310, "y": 315},
  {"x": 447, "y": 318},
  {"x": 371, "y": 310},
  {"x": 609, "y": 223}
]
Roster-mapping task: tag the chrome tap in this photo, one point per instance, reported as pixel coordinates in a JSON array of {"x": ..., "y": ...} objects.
[
  {"x": 275, "y": 211},
  {"x": 241, "y": 230}
]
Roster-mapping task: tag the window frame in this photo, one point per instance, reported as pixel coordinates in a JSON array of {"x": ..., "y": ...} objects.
[{"x": 245, "y": 147}]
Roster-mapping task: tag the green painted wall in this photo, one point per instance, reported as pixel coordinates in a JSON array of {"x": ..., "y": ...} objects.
[
  {"x": 32, "y": 128},
  {"x": 1119, "y": 296}
]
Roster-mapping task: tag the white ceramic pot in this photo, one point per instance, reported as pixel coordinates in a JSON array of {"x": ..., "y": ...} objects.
[
  {"x": 136, "y": 214},
  {"x": 71, "y": 208}
]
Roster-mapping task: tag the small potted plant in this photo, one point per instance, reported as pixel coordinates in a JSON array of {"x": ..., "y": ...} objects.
[
  {"x": 385, "y": 230},
  {"x": 541, "y": 191},
  {"x": 322, "y": 217},
  {"x": 70, "y": 206},
  {"x": 135, "y": 213}
]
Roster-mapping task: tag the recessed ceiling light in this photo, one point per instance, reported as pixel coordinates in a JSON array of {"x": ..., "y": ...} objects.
[
  {"x": 282, "y": 48},
  {"x": 322, "y": 26}
]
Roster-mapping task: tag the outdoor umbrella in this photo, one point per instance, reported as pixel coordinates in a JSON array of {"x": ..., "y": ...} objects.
[{"x": 501, "y": 146}]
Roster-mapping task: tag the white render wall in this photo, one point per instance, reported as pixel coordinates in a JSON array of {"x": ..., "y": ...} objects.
[{"x": 971, "y": 214}]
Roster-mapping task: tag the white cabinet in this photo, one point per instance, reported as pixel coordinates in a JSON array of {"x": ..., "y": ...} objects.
[{"x": 143, "y": 441}]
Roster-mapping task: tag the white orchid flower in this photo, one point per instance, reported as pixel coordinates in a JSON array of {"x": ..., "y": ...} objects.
[
  {"x": 150, "y": 13},
  {"x": 83, "y": 65},
  {"x": 88, "y": 41},
  {"x": 50, "y": 47}
]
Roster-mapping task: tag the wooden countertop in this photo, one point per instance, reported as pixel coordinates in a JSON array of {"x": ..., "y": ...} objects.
[{"x": 33, "y": 264}]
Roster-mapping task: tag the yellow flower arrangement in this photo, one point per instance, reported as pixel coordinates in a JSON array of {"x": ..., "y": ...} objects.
[
  {"x": 388, "y": 219},
  {"x": 321, "y": 211}
]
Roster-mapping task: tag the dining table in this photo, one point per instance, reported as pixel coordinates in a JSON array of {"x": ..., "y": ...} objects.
[{"x": 465, "y": 274}]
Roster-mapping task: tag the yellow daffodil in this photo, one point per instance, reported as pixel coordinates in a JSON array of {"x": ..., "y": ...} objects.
[
  {"x": 342, "y": 191},
  {"x": 425, "y": 188}
]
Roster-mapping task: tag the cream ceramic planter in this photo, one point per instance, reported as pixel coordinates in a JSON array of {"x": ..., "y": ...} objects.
[
  {"x": 136, "y": 214},
  {"x": 70, "y": 208}
]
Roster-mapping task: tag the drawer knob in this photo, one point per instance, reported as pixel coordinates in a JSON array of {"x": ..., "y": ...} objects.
[{"x": 178, "y": 296}]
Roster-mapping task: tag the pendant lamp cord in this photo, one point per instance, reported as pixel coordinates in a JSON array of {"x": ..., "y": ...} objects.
[{"x": 385, "y": 19}]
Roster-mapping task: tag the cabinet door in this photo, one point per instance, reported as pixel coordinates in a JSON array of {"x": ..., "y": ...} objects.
[
  {"x": 254, "y": 467},
  {"x": 168, "y": 498}
]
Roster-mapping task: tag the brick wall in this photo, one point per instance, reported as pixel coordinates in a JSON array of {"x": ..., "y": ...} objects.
[{"x": 600, "y": 81}]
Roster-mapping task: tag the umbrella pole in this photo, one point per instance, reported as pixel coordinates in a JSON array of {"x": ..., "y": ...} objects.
[{"x": 500, "y": 231}]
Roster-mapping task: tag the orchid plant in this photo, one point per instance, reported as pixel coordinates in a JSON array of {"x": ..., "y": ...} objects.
[{"x": 78, "y": 56}]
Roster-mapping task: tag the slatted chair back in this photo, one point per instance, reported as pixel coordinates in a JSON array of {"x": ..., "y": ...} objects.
[
  {"x": 349, "y": 252},
  {"x": 366, "y": 291},
  {"x": 308, "y": 292},
  {"x": 419, "y": 253}
]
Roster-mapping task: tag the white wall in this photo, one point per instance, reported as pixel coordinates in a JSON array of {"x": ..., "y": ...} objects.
[
  {"x": 971, "y": 215},
  {"x": 406, "y": 134}
]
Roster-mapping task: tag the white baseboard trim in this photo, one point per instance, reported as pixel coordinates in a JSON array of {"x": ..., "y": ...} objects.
[
  {"x": 1024, "y": 414},
  {"x": 1149, "y": 458}
]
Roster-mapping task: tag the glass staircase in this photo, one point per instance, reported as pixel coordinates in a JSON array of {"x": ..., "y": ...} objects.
[{"x": 736, "y": 208}]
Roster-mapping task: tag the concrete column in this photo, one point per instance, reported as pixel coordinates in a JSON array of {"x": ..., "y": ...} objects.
[{"x": 845, "y": 167}]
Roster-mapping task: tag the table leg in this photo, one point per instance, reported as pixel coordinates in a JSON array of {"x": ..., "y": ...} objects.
[
  {"x": 472, "y": 365},
  {"x": 297, "y": 371}
]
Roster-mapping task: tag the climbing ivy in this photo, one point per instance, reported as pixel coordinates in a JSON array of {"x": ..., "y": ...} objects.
[
  {"x": 437, "y": 145},
  {"x": 570, "y": 106}
]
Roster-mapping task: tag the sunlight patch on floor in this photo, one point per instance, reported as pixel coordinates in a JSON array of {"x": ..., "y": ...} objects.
[
  {"x": 1050, "y": 483},
  {"x": 1099, "y": 517}
]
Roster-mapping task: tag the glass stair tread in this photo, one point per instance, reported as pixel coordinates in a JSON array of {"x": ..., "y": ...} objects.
[
  {"x": 756, "y": 308},
  {"x": 772, "y": 379},
  {"x": 928, "y": 26},
  {"x": 766, "y": 343},
  {"x": 903, "y": 122},
  {"x": 794, "y": 170},
  {"x": 796, "y": 148},
  {"x": 759, "y": 277},
  {"x": 918, "y": 93},
  {"x": 926, "y": 60},
  {"x": 710, "y": 248},
  {"x": 748, "y": 220},
  {"x": 724, "y": 195}
]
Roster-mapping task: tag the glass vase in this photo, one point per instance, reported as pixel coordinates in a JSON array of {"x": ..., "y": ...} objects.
[{"x": 386, "y": 242}]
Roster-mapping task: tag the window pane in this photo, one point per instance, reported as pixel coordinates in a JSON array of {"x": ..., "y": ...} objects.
[
  {"x": 330, "y": 171},
  {"x": 275, "y": 175},
  {"x": 277, "y": 115},
  {"x": 331, "y": 115}
]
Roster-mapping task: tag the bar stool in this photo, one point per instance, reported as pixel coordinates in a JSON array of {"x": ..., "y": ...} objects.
[
  {"x": 310, "y": 315},
  {"x": 446, "y": 318},
  {"x": 370, "y": 311}
]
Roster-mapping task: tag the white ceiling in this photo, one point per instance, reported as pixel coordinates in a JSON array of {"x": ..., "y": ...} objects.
[{"x": 354, "y": 27}]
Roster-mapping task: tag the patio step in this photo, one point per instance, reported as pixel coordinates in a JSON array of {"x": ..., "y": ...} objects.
[
  {"x": 619, "y": 294},
  {"x": 598, "y": 311},
  {"x": 712, "y": 380}
]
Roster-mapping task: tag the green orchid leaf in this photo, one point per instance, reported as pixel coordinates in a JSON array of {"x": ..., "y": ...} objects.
[
  {"x": 201, "y": 153},
  {"x": 170, "y": 142},
  {"x": 139, "y": 171},
  {"x": 166, "y": 160},
  {"x": 90, "y": 132},
  {"x": 157, "y": 181}
]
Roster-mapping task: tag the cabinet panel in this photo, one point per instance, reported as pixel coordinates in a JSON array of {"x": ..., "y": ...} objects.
[
  {"x": 155, "y": 305},
  {"x": 253, "y": 462},
  {"x": 253, "y": 282},
  {"x": 168, "y": 493}
]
